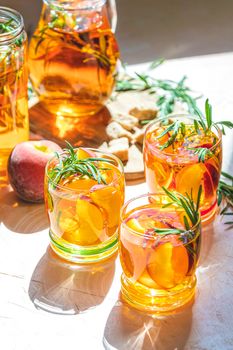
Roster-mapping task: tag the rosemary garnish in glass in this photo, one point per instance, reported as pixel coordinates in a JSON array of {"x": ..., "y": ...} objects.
[
  {"x": 69, "y": 164},
  {"x": 191, "y": 210},
  {"x": 203, "y": 124}
]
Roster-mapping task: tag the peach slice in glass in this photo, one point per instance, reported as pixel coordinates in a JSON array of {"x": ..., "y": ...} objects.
[
  {"x": 108, "y": 198},
  {"x": 163, "y": 174},
  {"x": 90, "y": 224},
  {"x": 85, "y": 153},
  {"x": 136, "y": 258},
  {"x": 189, "y": 179},
  {"x": 169, "y": 263}
]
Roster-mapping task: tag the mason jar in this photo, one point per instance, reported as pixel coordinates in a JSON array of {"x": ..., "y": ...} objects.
[{"x": 14, "y": 126}]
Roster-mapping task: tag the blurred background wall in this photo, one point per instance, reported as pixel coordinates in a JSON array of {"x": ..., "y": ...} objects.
[{"x": 150, "y": 29}]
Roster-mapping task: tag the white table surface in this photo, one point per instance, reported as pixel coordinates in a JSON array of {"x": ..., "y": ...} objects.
[{"x": 82, "y": 303}]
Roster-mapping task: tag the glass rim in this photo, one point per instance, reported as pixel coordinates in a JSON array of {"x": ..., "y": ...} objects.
[
  {"x": 82, "y": 5},
  {"x": 140, "y": 234},
  {"x": 17, "y": 17},
  {"x": 119, "y": 162},
  {"x": 180, "y": 115}
]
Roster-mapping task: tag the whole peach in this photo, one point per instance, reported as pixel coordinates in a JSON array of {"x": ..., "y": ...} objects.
[{"x": 26, "y": 168}]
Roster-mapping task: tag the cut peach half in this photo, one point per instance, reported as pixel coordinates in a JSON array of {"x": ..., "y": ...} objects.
[
  {"x": 168, "y": 264},
  {"x": 110, "y": 199}
]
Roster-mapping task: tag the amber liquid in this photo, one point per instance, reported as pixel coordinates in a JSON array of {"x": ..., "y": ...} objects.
[
  {"x": 178, "y": 168},
  {"x": 72, "y": 71},
  {"x": 158, "y": 270},
  {"x": 14, "y": 126}
]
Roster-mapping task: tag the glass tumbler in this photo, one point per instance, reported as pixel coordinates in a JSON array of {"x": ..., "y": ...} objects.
[
  {"x": 84, "y": 214},
  {"x": 158, "y": 263},
  {"x": 177, "y": 167}
]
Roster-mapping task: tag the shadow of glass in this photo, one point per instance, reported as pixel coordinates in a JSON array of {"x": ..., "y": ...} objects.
[
  {"x": 19, "y": 216},
  {"x": 61, "y": 287},
  {"x": 130, "y": 329}
]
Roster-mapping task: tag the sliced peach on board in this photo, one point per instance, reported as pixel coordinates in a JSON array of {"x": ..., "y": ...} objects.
[{"x": 168, "y": 264}]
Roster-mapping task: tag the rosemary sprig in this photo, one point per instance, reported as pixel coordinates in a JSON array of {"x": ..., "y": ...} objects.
[
  {"x": 169, "y": 92},
  {"x": 191, "y": 210},
  {"x": 69, "y": 165},
  {"x": 202, "y": 153},
  {"x": 177, "y": 129},
  {"x": 225, "y": 193}
]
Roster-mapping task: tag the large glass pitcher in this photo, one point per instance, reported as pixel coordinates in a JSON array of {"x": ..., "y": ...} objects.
[{"x": 73, "y": 56}]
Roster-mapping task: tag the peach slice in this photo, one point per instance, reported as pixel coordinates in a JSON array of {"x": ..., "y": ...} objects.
[
  {"x": 211, "y": 178},
  {"x": 78, "y": 183},
  {"x": 163, "y": 173},
  {"x": 189, "y": 179},
  {"x": 146, "y": 280},
  {"x": 126, "y": 260},
  {"x": 109, "y": 199},
  {"x": 134, "y": 257},
  {"x": 85, "y": 153},
  {"x": 135, "y": 225},
  {"x": 89, "y": 228},
  {"x": 169, "y": 264}
]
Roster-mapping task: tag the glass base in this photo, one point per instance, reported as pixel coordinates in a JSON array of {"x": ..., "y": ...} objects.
[
  {"x": 83, "y": 255},
  {"x": 159, "y": 302}
]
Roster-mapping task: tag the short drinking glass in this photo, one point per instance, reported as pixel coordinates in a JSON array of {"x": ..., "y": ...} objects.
[
  {"x": 193, "y": 159},
  {"x": 84, "y": 192},
  {"x": 158, "y": 254}
]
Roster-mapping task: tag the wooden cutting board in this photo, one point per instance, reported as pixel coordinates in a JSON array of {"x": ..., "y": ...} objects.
[{"x": 90, "y": 131}]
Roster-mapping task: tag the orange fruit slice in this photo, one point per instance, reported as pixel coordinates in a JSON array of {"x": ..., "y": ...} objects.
[{"x": 168, "y": 265}]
